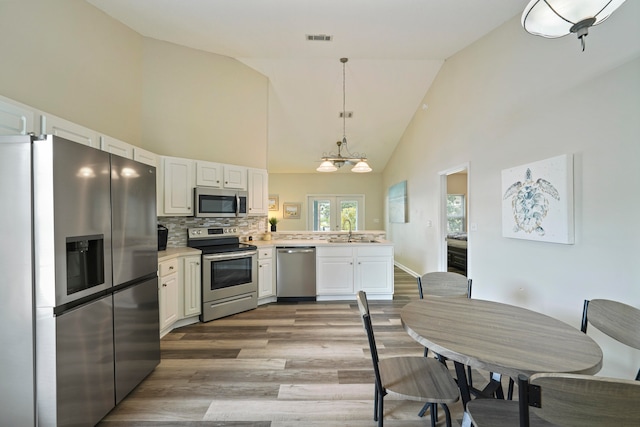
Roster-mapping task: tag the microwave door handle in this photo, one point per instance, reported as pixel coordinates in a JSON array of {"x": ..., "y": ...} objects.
[{"x": 237, "y": 205}]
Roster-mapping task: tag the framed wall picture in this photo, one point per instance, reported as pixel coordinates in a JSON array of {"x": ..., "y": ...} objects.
[
  {"x": 291, "y": 210},
  {"x": 398, "y": 202},
  {"x": 273, "y": 202},
  {"x": 537, "y": 201}
]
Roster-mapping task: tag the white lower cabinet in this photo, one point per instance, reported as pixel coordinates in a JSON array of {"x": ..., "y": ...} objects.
[
  {"x": 334, "y": 271},
  {"x": 342, "y": 271},
  {"x": 179, "y": 291},
  {"x": 266, "y": 275},
  {"x": 191, "y": 273},
  {"x": 168, "y": 293}
]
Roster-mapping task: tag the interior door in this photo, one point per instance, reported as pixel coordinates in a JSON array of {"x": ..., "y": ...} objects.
[{"x": 454, "y": 202}]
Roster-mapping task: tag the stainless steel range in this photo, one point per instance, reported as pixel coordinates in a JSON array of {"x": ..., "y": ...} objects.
[{"x": 229, "y": 271}]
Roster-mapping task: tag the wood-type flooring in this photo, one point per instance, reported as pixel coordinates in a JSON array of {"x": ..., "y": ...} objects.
[{"x": 280, "y": 365}]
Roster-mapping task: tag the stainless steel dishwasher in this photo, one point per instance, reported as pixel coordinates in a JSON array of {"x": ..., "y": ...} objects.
[{"x": 296, "y": 273}]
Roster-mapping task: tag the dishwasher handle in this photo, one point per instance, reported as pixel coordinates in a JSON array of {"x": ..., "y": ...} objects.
[{"x": 296, "y": 250}]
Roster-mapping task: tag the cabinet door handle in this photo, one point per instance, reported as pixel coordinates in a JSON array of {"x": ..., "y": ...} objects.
[
  {"x": 164, "y": 285},
  {"x": 171, "y": 268}
]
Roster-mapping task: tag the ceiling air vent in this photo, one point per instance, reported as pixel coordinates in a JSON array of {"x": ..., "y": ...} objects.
[{"x": 319, "y": 38}]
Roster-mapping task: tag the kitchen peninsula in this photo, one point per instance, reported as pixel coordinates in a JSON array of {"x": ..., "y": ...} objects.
[{"x": 343, "y": 266}]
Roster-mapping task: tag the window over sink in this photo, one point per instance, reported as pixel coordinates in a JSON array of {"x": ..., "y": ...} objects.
[{"x": 335, "y": 212}]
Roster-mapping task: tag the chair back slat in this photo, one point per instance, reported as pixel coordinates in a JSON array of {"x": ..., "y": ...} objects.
[
  {"x": 444, "y": 284},
  {"x": 619, "y": 321},
  {"x": 587, "y": 401}
]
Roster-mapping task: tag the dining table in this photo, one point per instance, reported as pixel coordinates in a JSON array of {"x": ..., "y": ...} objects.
[{"x": 498, "y": 338}]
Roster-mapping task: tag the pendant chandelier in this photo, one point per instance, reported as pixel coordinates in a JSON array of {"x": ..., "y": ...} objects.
[
  {"x": 331, "y": 162},
  {"x": 557, "y": 18}
]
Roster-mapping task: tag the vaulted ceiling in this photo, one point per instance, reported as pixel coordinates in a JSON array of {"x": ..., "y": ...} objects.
[{"x": 395, "y": 50}]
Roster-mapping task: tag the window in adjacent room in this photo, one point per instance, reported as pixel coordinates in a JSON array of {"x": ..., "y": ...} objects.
[{"x": 456, "y": 213}]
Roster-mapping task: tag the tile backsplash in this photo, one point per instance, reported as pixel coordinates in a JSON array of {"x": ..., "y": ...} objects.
[
  {"x": 254, "y": 227},
  {"x": 178, "y": 225}
]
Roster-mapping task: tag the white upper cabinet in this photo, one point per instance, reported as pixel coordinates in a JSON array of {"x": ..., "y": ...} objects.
[
  {"x": 235, "y": 177},
  {"x": 65, "y": 129},
  {"x": 258, "y": 192},
  {"x": 144, "y": 156},
  {"x": 209, "y": 174},
  {"x": 178, "y": 180},
  {"x": 15, "y": 118},
  {"x": 218, "y": 175},
  {"x": 115, "y": 146}
]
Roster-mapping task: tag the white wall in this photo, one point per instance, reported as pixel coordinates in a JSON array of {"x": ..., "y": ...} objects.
[
  {"x": 72, "y": 60},
  {"x": 295, "y": 187},
  {"x": 510, "y": 99},
  {"x": 203, "y": 106}
]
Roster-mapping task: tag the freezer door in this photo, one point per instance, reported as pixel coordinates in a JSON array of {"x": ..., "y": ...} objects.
[
  {"x": 137, "y": 335},
  {"x": 75, "y": 364},
  {"x": 134, "y": 221}
]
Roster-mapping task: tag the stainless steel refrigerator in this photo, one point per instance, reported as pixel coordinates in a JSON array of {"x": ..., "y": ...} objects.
[{"x": 80, "y": 318}]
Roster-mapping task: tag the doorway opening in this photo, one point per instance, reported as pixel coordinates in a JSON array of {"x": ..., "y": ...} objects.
[{"x": 454, "y": 219}]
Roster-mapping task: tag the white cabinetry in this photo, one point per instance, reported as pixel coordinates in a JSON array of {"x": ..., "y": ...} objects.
[
  {"x": 168, "y": 293},
  {"x": 53, "y": 125},
  {"x": 342, "y": 271},
  {"x": 191, "y": 283},
  {"x": 258, "y": 190},
  {"x": 115, "y": 146},
  {"x": 144, "y": 156},
  {"x": 175, "y": 191},
  {"x": 235, "y": 177},
  {"x": 374, "y": 270},
  {"x": 209, "y": 174},
  {"x": 334, "y": 271},
  {"x": 266, "y": 274},
  {"x": 219, "y": 175},
  {"x": 179, "y": 289},
  {"x": 15, "y": 118}
]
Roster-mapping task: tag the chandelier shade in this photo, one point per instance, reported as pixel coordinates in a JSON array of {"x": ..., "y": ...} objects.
[
  {"x": 331, "y": 162},
  {"x": 557, "y": 18}
]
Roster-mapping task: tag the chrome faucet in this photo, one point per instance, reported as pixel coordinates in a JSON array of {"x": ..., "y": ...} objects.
[{"x": 349, "y": 236}]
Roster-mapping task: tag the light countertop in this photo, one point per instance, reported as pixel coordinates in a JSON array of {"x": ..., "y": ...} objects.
[
  {"x": 312, "y": 242},
  {"x": 176, "y": 252}
]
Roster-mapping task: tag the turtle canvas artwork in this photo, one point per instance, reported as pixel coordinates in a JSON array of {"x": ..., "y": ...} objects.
[
  {"x": 529, "y": 202},
  {"x": 537, "y": 201}
]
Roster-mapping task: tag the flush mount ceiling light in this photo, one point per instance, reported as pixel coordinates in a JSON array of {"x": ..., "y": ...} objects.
[
  {"x": 331, "y": 162},
  {"x": 557, "y": 18}
]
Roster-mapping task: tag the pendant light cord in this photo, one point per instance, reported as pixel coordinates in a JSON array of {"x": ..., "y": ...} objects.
[{"x": 344, "y": 97}]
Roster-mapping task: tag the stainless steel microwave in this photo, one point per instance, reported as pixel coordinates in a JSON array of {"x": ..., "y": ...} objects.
[{"x": 219, "y": 203}]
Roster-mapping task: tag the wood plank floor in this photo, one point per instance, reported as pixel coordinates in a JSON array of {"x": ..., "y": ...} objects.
[{"x": 281, "y": 365}]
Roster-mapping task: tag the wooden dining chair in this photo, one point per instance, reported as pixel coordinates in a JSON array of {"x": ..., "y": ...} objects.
[
  {"x": 444, "y": 284},
  {"x": 410, "y": 378},
  {"x": 619, "y": 321},
  {"x": 567, "y": 400}
]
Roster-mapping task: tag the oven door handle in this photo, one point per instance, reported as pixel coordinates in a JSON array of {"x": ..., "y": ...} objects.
[{"x": 231, "y": 255}]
